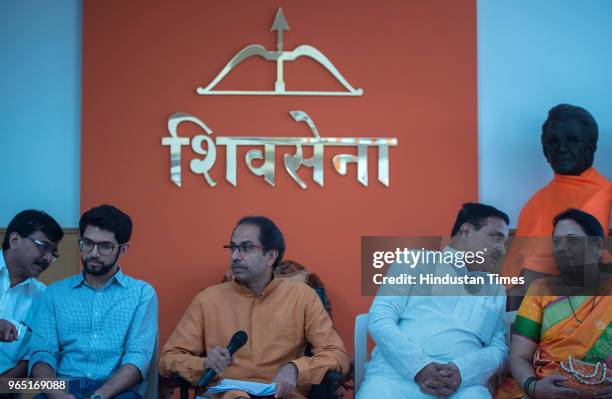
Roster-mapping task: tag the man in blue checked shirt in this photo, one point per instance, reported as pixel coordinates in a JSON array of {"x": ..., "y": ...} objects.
[{"x": 98, "y": 328}]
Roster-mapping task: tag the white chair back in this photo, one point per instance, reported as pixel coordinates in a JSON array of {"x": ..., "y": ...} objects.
[
  {"x": 510, "y": 317},
  {"x": 361, "y": 349}
]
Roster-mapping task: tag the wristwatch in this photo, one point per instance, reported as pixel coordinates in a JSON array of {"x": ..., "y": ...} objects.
[{"x": 96, "y": 396}]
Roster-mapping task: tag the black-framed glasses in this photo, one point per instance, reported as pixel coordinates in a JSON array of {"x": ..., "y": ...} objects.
[
  {"x": 244, "y": 247},
  {"x": 45, "y": 248},
  {"x": 104, "y": 247}
]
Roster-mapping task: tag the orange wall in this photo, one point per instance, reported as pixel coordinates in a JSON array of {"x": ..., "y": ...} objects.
[{"x": 142, "y": 60}]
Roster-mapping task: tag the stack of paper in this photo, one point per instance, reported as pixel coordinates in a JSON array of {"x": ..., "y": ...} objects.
[{"x": 253, "y": 388}]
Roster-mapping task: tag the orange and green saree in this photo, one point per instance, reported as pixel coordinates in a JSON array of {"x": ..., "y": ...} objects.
[{"x": 550, "y": 322}]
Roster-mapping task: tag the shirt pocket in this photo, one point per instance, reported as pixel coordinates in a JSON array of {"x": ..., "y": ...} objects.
[
  {"x": 489, "y": 321},
  {"x": 285, "y": 335},
  {"x": 479, "y": 315}
]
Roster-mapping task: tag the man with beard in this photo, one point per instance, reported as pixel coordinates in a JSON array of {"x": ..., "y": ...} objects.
[
  {"x": 280, "y": 317},
  {"x": 97, "y": 328},
  {"x": 443, "y": 340},
  {"x": 29, "y": 247}
]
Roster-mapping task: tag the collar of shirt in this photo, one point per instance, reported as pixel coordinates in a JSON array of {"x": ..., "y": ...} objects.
[
  {"x": 118, "y": 277},
  {"x": 5, "y": 281},
  {"x": 242, "y": 290},
  {"x": 5, "y": 278}
]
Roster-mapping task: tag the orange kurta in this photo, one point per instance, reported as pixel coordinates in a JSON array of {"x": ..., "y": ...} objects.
[
  {"x": 279, "y": 323},
  {"x": 590, "y": 192}
]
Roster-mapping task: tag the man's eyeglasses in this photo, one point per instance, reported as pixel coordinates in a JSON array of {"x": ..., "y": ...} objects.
[
  {"x": 104, "y": 247},
  {"x": 45, "y": 248},
  {"x": 244, "y": 247}
]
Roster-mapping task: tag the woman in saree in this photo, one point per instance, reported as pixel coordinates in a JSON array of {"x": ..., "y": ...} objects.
[{"x": 564, "y": 321}]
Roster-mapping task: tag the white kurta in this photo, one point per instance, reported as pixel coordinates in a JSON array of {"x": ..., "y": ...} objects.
[{"x": 412, "y": 331}]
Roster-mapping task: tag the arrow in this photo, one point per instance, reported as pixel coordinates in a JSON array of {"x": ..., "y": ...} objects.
[{"x": 279, "y": 25}]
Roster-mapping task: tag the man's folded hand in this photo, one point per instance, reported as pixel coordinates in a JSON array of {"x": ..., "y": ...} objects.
[{"x": 438, "y": 379}]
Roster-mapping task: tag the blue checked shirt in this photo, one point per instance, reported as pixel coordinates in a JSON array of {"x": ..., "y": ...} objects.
[{"x": 85, "y": 332}]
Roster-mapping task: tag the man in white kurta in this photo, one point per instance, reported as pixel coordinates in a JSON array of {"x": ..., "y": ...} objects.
[{"x": 421, "y": 329}]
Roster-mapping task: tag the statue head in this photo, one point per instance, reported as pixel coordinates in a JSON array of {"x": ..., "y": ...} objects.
[{"x": 569, "y": 139}]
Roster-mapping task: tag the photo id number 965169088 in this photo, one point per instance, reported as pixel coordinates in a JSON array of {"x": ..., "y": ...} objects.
[{"x": 32, "y": 385}]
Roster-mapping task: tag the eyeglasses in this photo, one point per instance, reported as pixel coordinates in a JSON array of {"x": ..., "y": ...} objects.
[
  {"x": 45, "y": 248},
  {"x": 571, "y": 239},
  {"x": 244, "y": 247},
  {"x": 104, "y": 247}
]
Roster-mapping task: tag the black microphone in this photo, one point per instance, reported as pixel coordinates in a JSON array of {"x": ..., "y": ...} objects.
[{"x": 238, "y": 340}]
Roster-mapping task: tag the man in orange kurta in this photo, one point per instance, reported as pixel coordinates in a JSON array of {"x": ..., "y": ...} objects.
[
  {"x": 569, "y": 141},
  {"x": 280, "y": 317}
]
